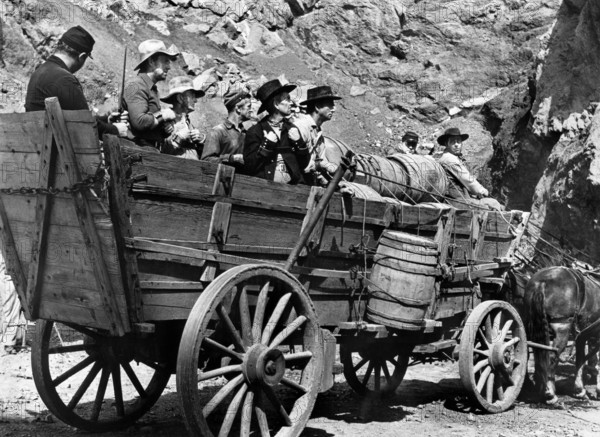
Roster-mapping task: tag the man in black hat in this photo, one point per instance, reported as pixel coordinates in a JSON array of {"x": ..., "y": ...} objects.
[
  {"x": 409, "y": 143},
  {"x": 320, "y": 107},
  {"x": 225, "y": 142},
  {"x": 55, "y": 78},
  {"x": 463, "y": 185},
  {"x": 269, "y": 152}
]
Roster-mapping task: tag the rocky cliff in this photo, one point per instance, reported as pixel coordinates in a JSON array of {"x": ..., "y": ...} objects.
[{"x": 518, "y": 76}]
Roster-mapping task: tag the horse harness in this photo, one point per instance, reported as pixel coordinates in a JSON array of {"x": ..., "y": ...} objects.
[{"x": 580, "y": 278}]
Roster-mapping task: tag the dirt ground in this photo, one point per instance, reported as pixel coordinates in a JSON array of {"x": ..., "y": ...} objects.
[{"x": 430, "y": 402}]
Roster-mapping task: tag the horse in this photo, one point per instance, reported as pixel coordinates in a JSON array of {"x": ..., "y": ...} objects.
[{"x": 558, "y": 301}]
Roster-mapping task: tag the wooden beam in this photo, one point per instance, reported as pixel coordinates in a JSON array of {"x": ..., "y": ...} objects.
[
  {"x": 120, "y": 212},
  {"x": 171, "y": 285},
  {"x": 43, "y": 207},
  {"x": 11, "y": 257},
  {"x": 118, "y": 326},
  {"x": 217, "y": 233},
  {"x": 478, "y": 233},
  {"x": 224, "y": 178},
  {"x": 315, "y": 237},
  {"x": 444, "y": 234}
]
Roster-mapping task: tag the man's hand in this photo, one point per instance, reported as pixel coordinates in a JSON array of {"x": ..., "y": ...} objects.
[
  {"x": 294, "y": 134},
  {"x": 238, "y": 158},
  {"x": 196, "y": 136},
  {"x": 167, "y": 114},
  {"x": 168, "y": 128},
  {"x": 118, "y": 117},
  {"x": 123, "y": 128}
]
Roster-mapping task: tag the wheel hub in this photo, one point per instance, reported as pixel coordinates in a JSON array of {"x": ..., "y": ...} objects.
[
  {"x": 263, "y": 365},
  {"x": 501, "y": 358}
]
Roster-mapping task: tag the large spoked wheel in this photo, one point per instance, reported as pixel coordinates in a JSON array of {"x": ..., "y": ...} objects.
[
  {"x": 91, "y": 380},
  {"x": 376, "y": 367},
  {"x": 251, "y": 356},
  {"x": 493, "y": 355}
]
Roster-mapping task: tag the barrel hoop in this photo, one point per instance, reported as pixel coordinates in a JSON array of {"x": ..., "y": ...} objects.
[
  {"x": 401, "y": 265},
  {"x": 407, "y": 301},
  {"x": 394, "y": 318},
  {"x": 403, "y": 237}
]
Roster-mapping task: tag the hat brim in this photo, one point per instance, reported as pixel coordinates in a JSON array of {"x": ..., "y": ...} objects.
[
  {"x": 149, "y": 55},
  {"x": 442, "y": 138},
  {"x": 169, "y": 97},
  {"x": 316, "y": 99},
  {"x": 285, "y": 88}
]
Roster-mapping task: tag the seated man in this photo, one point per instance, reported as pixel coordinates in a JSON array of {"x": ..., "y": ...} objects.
[
  {"x": 320, "y": 107},
  {"x": 184, "y": 141},
  {"x": 409, "y": 143},
  {"x": 463, "y": 186},
  {"x": 149, "y": 123},
  {"x": 225, "y": 142},
  {"x": 269, "y": 152}
]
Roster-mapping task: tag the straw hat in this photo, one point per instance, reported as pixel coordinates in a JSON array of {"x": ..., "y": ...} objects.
[
  {"x": 178, "y": 85},
  {"x": 151, "y": 47}
]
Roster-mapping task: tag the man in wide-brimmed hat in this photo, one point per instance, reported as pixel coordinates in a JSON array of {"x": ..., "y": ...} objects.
[
  {"x": 148, "y": 121},
  {"x": 225, "y": 142},
  {"x": 320, "y": 107},
  {"x": 269, "y": 152},
  {"x": 185, "y": 141},
  {"x": 463, "y": 185},
  {"x": 55, "y": 78}
]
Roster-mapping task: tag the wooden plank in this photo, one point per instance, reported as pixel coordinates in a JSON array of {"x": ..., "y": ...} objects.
[
  {"x": 65, "y": 312},
  {"x": 169, "y": 305},
  {"x": 246, "y": 248},
  {"x": 11, "y": 257},
  {"x": 263, "y": 191},
  {"x": 117, "y": 325},
  {"x": 42, "y": 216},
  {"x": 217, "y": 233},
  {"x": 171, "y": 285},
  {"x": 167, "y": 257},
  {"x": 120, "y": 212},
  {"x": 223, "y": 185},
  {"x": 444, "y": 234}
]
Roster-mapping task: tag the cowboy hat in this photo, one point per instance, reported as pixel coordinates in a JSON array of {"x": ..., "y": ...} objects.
[
  {"x": 319, "y": 93},
  {"x": 178, "y": 85},
  {"x": 451, "y": 132},
  {"x": 270, "y": 89},
  {"x": 151, "y": 47}
]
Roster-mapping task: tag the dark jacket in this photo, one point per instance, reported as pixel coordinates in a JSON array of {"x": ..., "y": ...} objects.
[
  {"x": 260, "y": 154},
  {"x": 53, "y": 79}
]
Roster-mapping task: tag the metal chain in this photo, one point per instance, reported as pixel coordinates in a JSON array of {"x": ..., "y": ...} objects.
[{"x": 81, "y": 186}]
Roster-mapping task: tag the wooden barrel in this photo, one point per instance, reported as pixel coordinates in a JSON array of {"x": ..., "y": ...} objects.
[
  {"x": 402, "y": 280},
  {"x": 367, "y": 165},
  {"x": 425, "y": 177}
]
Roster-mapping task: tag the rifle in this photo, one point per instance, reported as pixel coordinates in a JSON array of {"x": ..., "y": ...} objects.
[{"x": 123, "y": 82}]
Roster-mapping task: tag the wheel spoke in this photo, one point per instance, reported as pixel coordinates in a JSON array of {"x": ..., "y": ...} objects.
[
  {"x": 480, "y": 365},
  {"x": 496, "y": 328},
  {"x": 221, "y": 371},
  {"x": 500, "y": 392},
  {"x": 100, "y": 394},
  {"x": 84, "y": 385},
  {"x": 505, "y": 329},
  {"x": 480, "y": 352},
  {"x": 246, "y": 420},
  {"x": 386, "y": 372},
  {"x": 489, "y": 390},
  {"x": 134, "y": 380},
  {"x": 277, "y": 404},
  {"x": 221, "y": 348},
  {"x": 259, "y": 313},
  {"x": 294, "y": 385},
  {"x": 231, "y": 329},
  {"x": 72, "y": 371},
  {"x": 72, "y": 348},
  {"x": 232, "y": 410},
  {"x": 245, "y": 318},
  {"x": 306, "y": 355},
  {"x": 483, "y": 378},
  {"x": 360, "y": 364},
  {"x": 275, "y": 316},
  {"x": 261, "y": 417},
  {"x": 377, "y": 377},
  {"x": 511, "y": 342},
  {"x": 488, "y": 329},
  {"x": 116, "y": 377},
  {"x": 484, "y": 336},
  {"x": 287, "y": 331},
  {"x": 368, "y": 374},
  {"x": 222, "y": 394}
]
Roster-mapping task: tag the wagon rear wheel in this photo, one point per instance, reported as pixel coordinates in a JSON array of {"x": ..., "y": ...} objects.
[
  {"x": 251, "y": 355},
  {"x": 375, "y": 367},
  {"x": 91, "y": 380},
  {"x": 493, "y": 355}
]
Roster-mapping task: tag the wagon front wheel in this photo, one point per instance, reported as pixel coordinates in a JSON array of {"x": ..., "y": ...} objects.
[
  {"x": 91, "y": 380},
  {"x": 374, "y": 367},
  {"x": 493, "y": 355},
  {"x": 251, "y": 355}
]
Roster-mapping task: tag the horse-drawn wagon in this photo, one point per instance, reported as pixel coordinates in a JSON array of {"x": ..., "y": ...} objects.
[{"x": 141, "y": 265}]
